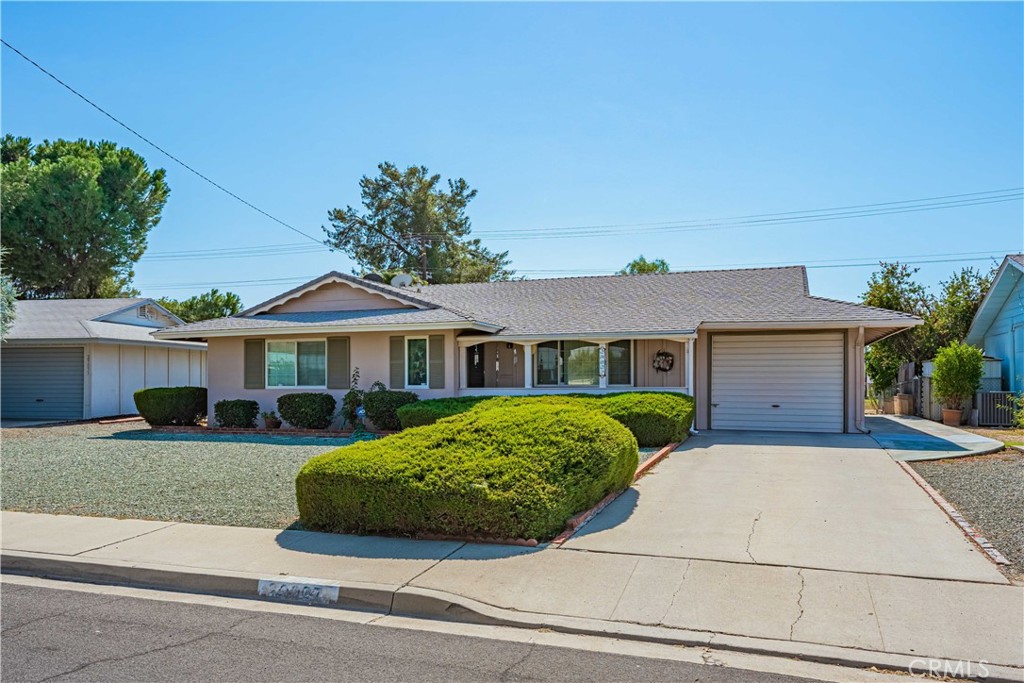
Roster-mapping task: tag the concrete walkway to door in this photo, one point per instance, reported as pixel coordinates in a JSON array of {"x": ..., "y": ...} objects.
[
  {"x": 817, "y": 501},
  {"x": 910, "y": 438}
]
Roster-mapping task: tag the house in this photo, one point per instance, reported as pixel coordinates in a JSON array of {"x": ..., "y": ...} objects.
[
  {"x": 70, "y": 359},
  {"x": 753, "y": 346},
  {"x": 998, "y": 326}
]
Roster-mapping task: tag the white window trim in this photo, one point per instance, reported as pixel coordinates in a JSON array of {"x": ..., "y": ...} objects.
[
  {"x": 405, "y": 378},
  {"x": 295, "y": 351}
]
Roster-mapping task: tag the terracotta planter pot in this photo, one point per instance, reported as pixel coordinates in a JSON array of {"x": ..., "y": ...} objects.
[{"x": 951, "y": 417}]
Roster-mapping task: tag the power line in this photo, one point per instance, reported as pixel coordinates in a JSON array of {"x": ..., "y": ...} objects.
[{"x": 158, "y": 147}]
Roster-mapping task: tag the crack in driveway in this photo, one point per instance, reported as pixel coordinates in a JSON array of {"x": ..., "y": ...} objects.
[
  {"x": 750, "y": 536},
  {"x": 799, "y": 602}
]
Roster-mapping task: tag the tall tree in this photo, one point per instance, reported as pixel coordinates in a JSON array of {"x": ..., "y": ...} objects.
[
  {"x": 8, "y": 297},
  {"x": 641, "y": 266},
  {"x": 410, "y": 223},
  {"x": 956, "y": 305},
  {"x": 75, "y": 214},
  {"x": 212, "y": 304}
]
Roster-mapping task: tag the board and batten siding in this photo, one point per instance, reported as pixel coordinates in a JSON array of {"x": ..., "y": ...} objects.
[
  {"x": 117, "y": 371},
  {"x": 1005, "y": 339},
  {"x": 42, "y": 383},
  {"x": 778, "y": 382}
]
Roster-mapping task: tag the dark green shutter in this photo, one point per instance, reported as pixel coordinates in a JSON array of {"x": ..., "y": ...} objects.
[
  {"x": 255, "y": 367},
  {"x": 339, "y": 372},
  {"x": 435, "y": 353},
  {"x": 398, "y": 362}
]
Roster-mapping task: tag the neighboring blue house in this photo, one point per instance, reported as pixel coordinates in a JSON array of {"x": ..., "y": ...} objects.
[{"x": 998, "y": 326}]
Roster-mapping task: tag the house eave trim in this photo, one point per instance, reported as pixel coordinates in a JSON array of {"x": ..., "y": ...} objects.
[
  {"x": 317, "y": 284},
  {"x": 810, "y": 324},
  {"x": 469, "y": 340},
  {"x": 171, "y": 333}
]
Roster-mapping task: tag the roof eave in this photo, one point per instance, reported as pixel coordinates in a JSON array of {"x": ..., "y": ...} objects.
[
  {"x": 173, "y": 333},
  {"x": 976, "y": 332}
]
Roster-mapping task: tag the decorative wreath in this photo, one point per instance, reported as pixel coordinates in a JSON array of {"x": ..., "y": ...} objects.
[{"x": 663, "y": 361}]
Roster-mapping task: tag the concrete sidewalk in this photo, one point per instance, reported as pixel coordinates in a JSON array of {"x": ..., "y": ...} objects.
[
  {"x": 856, "y": 619},
  {"x": 908, "y": 438}
]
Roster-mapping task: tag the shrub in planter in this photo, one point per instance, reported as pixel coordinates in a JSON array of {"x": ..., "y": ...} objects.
[
  {"x": 307, "y": 411},
  {"x": 238, "y": 413},
  {"x": 382, "y": 407},
  {"x": 957, "y": 375},
  {"x": 517, "y": 472},
  {"x": 171, "y": 405}
]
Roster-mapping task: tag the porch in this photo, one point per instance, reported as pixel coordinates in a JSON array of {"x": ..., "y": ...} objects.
[{"x": 574, "y": 365}]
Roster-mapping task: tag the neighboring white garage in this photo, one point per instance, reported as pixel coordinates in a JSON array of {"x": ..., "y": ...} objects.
[
  {"x": 73, "y": 359},
  {"x": 778, "y": 382}
]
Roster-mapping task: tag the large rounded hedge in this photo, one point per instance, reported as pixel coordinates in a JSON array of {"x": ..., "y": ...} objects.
[
  {"x": 655, "y": 418},
  {"x": 518, "y": 472}
]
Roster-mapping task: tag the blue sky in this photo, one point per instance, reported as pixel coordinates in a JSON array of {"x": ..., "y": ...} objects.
[{"x": 560, "y": 115}]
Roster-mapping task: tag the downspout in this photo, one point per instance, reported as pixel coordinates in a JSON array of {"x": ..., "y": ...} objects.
[{"x": 861, "y": 382}]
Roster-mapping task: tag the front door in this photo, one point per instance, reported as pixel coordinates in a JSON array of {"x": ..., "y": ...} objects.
[{"x": 475, "y": 366}]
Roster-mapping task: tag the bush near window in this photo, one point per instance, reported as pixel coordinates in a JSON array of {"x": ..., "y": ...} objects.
[
  {"x": 307, "y": 410},
  {"x": 237, "y": 413},
  {"x": 516, "y": 472},
  {"x": 382, "y": 407},
  {"x": 655, "y": 418},
  {"x": 171, "y": 405}
]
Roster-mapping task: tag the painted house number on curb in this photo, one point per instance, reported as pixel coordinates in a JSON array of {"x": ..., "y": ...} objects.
[{"x": 298, "y": 589}]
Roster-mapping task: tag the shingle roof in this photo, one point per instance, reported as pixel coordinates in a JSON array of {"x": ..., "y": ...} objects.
[
  {"x": 75, "y": 319},
  {"x": 656, "y": 303},
  {"x": 341, "y": 319}
]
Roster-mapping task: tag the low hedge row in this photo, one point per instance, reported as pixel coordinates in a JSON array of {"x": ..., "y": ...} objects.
[
  {"x": 171, "y": 405},
  {"x": 655, "y": 418},
  {"x": 237, "y": 413},
  {"x": 519, "y": 471}
]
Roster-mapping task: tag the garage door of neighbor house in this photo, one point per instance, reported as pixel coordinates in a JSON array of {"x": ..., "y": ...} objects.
[
  {"x": 777, "y": 382},
  {"x": 43, "y": 384}
]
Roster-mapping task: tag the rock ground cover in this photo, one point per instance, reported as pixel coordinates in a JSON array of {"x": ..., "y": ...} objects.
[
  {"x": 988, "y": 490},
  {"x": 126, "y": 470}
]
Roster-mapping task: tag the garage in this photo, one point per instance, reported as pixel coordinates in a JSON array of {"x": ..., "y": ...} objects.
[
  {"x": 778, "y": 382},
  {"x": 42, "y": 383}
]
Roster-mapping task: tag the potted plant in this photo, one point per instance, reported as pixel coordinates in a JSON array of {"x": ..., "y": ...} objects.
[
  {"x": 957, "y": 375},
  {"x": 271, "y": 420}
]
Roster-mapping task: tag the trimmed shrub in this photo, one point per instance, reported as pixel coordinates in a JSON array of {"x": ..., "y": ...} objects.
[
  {"x": 518, "y": 472},
  {"x": 957, "y": 374},
  {"x": 171, "y": 405},
  {"x": 430, "y": 411},
  {"x": 655, "y": 418},
  {"x": 382, "y": 407},
  {"x": 238, "y": 413},
  {"x": 306, "y": 410}
]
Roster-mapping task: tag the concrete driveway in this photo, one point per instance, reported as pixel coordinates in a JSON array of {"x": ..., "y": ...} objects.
[{"x": 835, "y": 502}]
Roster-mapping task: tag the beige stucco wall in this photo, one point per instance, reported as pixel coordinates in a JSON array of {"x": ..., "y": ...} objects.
[
  {"x": 370, "y": 352},
  {"x": 337, "y": 297},
  {"x": 853, "y": 380}
]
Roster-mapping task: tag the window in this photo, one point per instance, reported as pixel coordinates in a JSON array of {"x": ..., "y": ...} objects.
[
  {"x": 297, "y": 364},
  {"x": 578, "y": 363},
  {"x": 620, "y": 362},
  {"x": 416, "y": 362}
]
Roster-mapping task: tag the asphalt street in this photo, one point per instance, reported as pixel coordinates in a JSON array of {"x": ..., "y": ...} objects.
[{"x": 63, "y": 635}]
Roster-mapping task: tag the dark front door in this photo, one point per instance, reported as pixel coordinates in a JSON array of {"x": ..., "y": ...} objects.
[{"x": 475, "y": 362}]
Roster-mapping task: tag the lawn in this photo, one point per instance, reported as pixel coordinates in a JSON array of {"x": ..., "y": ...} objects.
[
  {"x": 126, "y": 470},
  {"x": 989, "y": 491}
]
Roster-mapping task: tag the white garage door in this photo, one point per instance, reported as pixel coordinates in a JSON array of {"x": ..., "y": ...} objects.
[{"x": 777, "y": 382}]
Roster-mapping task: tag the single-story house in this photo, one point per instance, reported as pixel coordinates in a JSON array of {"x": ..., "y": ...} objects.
[
  {"x": 754, "y": 348},
  {"x": 73, "y": 359},
  {"x": 998, "y": 326}
]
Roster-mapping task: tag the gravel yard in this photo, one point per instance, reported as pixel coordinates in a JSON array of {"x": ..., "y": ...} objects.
[
  {"x": 126, "y": 470},
  {"x": 989, "y": 491}
]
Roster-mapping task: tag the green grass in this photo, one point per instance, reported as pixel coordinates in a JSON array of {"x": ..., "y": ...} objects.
[{"x": 125, "y": 470}]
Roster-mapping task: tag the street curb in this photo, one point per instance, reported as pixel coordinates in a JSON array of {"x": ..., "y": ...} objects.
[{"x": 404, "y": 600}]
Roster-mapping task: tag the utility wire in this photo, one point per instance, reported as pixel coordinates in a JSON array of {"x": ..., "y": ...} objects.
[{"x": 158, "y": 147}]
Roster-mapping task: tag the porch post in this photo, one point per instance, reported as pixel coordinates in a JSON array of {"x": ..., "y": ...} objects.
[
  {"x": 527, "y": 366},
  {"x": 602, "y": 365},
  {"x": 689, "y": 366},
  {"x": 463, "y": 352}
]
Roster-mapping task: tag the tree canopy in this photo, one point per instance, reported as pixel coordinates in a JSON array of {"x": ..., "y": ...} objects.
[
  {"x": 8, "y": 297},
  {"x": 75, "y": 214},
  {"x": 409, "y": 222},
  {"x": 946, "y": 317},
  {"x": 207, "y": 306},
  {"x": 641, "y": 266}
]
